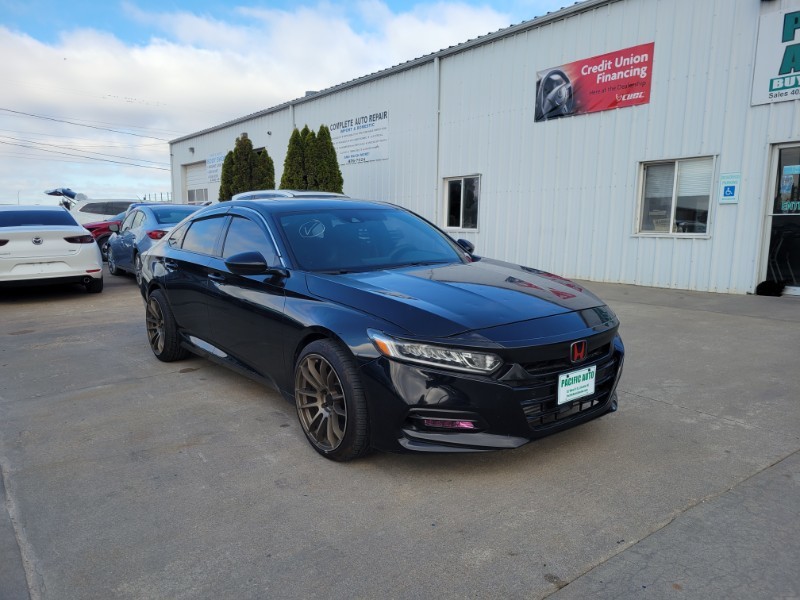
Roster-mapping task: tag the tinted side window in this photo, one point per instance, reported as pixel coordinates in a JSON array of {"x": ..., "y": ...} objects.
[
  {"x": 203, "y": 234},
  {"x": 115, "y": 207},
  {"x": 93, "y": 208},
  {"x": 128, "y": 222},
  {"x": 176, "y": 237},
  {"x": 245, "y": 235}
]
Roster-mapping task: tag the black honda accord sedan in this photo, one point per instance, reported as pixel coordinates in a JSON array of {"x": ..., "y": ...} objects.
[{"x": 383, "y": 331}]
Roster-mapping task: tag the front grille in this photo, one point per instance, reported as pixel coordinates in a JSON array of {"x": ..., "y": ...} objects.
[
  {"x": 541, "y": 389},
  {"x": 563, "y": 364}
]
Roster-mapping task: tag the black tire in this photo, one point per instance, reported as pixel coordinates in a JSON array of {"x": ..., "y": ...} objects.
[
  {"x": 162, "y": 331},
  {"x": 95, "y": 286},
  {"x": 137, "y": 268},
  {"x": 330, "y": 401},
  {"x": 112, "y": 263},
  {"x": 102, "y": 243}
]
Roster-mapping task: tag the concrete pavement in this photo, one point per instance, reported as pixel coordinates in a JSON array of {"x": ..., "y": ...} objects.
[{"x": 128, "y": 478}]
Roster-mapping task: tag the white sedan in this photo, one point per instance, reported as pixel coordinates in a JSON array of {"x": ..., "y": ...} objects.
[{"x": 45, "y": 245}]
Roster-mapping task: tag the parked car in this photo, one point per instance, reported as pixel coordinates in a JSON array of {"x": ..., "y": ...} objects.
[
  {"x": 141, "y": 226},
  {"x": 101, "y": 231},
  {"x": 383, "y": 331},
  {"x": 45, "y": 245},
  {"x": 90, "y": 210}
]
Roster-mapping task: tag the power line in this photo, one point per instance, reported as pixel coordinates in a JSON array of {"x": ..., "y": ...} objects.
[
  {"x": 78, "y": 140},
  {"x": 81, "y": 150},
  {"x": 17, "y": 112},
  {"x": 85, "y": 157}
]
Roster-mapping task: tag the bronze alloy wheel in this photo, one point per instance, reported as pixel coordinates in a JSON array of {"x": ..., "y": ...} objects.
[
  {"x": 321, "y": 403},
  {"x": 155, "y": 326},
  {"x": 162, "y": 331}
]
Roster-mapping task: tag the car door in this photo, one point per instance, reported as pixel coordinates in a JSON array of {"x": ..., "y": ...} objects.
[
  {"x": 123, "y": 249},
  {"x": 185, "y": 274},
  {"x": 247, "y": 311}
]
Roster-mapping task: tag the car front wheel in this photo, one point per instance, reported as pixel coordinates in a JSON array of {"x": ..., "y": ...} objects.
[
  {"x": 137, "y": 267},
  {"x": 330, "y": 401},
  {"x": 162, "y": 331},
  {"x": 112, "y": 263},
  {"x": 103, "y": 245}
]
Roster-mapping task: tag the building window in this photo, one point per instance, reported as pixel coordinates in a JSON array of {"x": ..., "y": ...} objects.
[
  {"x": 198, "y": 196},
  {"x": 461, "y": 197},
  {"x": 676, "y": 196}
]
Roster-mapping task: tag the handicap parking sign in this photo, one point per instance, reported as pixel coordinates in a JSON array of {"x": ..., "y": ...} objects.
[{"x": 729, "y": 188}]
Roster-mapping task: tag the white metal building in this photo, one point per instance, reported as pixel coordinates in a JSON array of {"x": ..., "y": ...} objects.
[{"x": 674, "y": 160}]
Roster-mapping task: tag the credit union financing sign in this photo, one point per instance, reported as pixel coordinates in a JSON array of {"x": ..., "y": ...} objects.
[
  {"x": 776, "y": 76},
  {"x": 614, "y": 80}
]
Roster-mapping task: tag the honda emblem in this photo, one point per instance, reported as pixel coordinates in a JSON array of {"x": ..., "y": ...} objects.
[{"x": 577, "y": 352}]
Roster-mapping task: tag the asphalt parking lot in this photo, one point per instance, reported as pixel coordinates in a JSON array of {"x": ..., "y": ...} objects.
[{"x": 125, "y": 477}]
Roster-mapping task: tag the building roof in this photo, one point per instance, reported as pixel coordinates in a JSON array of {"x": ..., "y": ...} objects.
[{"x": 576, "y": 8}]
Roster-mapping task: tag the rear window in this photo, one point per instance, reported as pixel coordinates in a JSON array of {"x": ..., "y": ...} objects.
[
  {"x": 170, "y": 216},
  {"x": 19, "y": 218}
]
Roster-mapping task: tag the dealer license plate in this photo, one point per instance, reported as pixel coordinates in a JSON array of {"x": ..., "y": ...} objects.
[{"x": 576, "y": 384}]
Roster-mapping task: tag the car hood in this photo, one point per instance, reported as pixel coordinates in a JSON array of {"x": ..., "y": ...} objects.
[{"x": 447, "y": 300}]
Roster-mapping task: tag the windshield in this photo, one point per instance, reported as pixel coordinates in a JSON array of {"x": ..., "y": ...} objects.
[{"x": 363, "y": 239}]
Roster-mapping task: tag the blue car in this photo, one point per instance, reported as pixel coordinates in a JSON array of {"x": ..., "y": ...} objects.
[{"x": 142, "y": 226}]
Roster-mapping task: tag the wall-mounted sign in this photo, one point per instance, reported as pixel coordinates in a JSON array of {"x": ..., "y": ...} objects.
[
  {"x": 361, "y": 138},
  {"x": 214, "y": 166},
  {"x": 729, "y": 184},
  {"x": 614, "y": 80},
  {"x": 776, "y": 74}
]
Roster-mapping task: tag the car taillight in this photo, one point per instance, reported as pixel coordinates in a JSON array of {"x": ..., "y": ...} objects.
[
  {"x": 157, "y": 234},
  {"x": 80, "y": 239}
]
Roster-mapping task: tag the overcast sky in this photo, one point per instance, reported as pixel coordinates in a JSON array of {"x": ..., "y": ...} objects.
[{"x": 93, "y": 91}]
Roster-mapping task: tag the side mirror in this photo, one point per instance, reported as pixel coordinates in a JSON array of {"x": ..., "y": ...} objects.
[
  {"x": 466, "y": 245},
  {"x": 114, "y": 227},
  {"x": 252, "y": 263}
]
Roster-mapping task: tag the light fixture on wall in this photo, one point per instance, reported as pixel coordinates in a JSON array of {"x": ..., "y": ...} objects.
[
  {"x": 269, "y": 133},
  {"x": 191, "y": 149}
]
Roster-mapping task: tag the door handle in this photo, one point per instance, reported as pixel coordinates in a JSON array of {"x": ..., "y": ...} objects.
[{"x": 216, "y": 277}]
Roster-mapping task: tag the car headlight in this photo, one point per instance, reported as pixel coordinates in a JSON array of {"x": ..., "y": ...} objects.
[{"x": 458, "y": 359}]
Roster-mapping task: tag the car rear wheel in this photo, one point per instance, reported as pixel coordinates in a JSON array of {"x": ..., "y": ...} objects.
[
  {"x": 162, "y": 331},
  {"x": 95, "y": 286},
  {"x": 330, "y": 401},
  {"x": 112, "y": 263}
]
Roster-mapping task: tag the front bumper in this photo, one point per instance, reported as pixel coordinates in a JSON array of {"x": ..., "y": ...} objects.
[{"x": 503, "y": 412}]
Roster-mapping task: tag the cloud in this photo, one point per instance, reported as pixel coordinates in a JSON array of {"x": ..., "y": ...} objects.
[{"x": 192, "y": 73}]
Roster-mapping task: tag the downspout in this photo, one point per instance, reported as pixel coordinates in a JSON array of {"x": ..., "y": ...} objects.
[{"x": 436, "y": 190}]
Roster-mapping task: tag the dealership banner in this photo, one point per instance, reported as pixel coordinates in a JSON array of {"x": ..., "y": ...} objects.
[
  {"x": 776, "y": 75},
  {"x": 614, "y": 80}
]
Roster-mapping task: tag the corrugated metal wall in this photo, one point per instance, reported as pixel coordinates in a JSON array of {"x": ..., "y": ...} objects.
[{"x": 563, "y": 195}]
